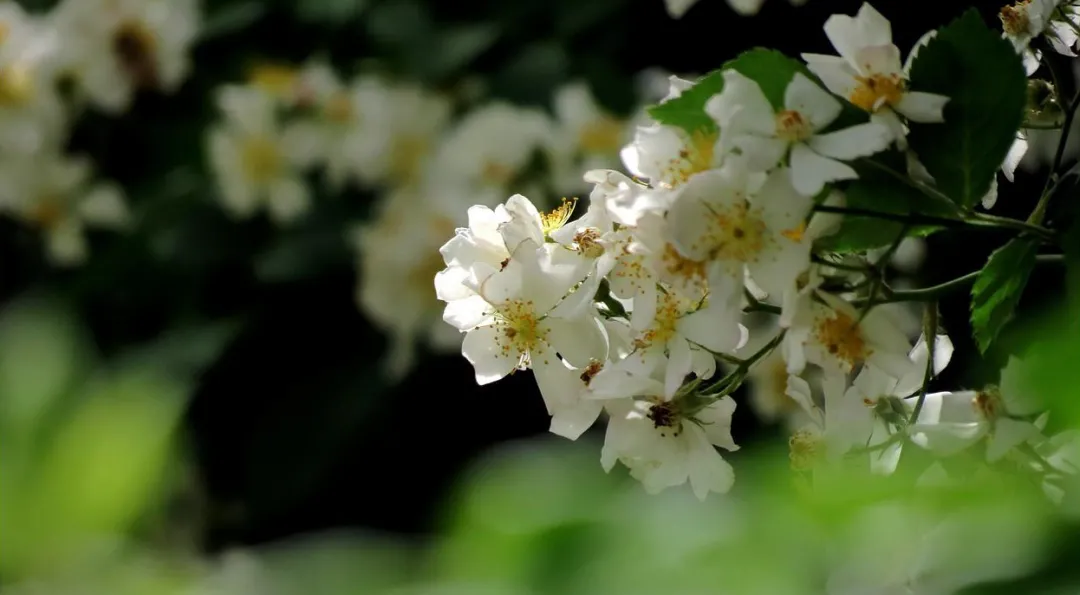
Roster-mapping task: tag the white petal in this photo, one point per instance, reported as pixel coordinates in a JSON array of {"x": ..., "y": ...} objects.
[
  {"x": 104, "y": 206},
  {"x": 524, "y": 223},
  {"x": 716, "y": 422},
  {"x": 571, "y": 421},
  {"x": 742, "y": 106},
  {"x": 1012, "y": 159},
  {"x": 810, "y": 100},
  {"x": 449, "y": 284},
  {"x": 879, "y": 59},
  {"x": 989, "y": 199},
  {"x": 67, "y": 243},
  {"x": 810, "y": 171},
  {"x": 578, "y": 341},
  {"x": 715, "y": 328},
  {"x": 287, "y": 200},
  {"x": 677, "y": 8},
  {"x": 1008, "y": 433},
  {"x": 466, "y": 314},
  {"x": 922, "y": 107},
  {"x": 489, "y": 360},
  {"x": 678, "y": 366},
  {"x": 761, "y": 153},
  {"x": 851, "y": 143},
  {"x": 837, "y": 75},
  {"x": 708, "y": 471}
]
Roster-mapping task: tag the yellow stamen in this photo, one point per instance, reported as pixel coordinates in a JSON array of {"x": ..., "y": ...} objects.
[
  {"x": 261, "y": 159},
  {"x": 841, "y": 336},
  {"x": 549, "y": 222},
  {"x": 792, "y": 126},
  {"x": 878, "y": 90},
  {"x": 601, "y": 136}
]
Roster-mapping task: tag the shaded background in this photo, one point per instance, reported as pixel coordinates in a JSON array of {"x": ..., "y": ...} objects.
[{"x": 294, "y": 428}]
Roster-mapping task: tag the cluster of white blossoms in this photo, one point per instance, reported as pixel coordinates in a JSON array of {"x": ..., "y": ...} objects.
[
  {"x": 83, "y": 54},
  {"x": 628, "y": 308}
]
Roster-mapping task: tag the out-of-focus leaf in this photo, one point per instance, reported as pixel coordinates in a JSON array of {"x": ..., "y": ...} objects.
[
  {"x": 100, "y": 472},
  {"x": 983, "y": 78},
  {"x": 189, "y": 350},
  {"x": 232, "y": 18},
  {"x": 457, "y": 47},
  {"x": 529, "y": 77},
  {"x": 303, "y": 255},
  {"x": 999, "y": 287},
  {"x": 329, "y": 12},
  {"x": 41, "y": 353}
]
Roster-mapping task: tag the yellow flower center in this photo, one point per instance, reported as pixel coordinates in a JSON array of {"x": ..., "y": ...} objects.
[
  {"x": 521, "y": 333},
  {"x": 792, "y": 126},
  {"x": 736, "y": 234},
  {"x": 47, "y": 212},
  {"x": 276, "y": 79},
  {"x": 877, "y": 90},
  {"x": 135, "y": 47},
  {"x": 669, "y": 309},
  {"x": 682, "y": 270},
  {"x": 558, "y": 217},
  {"x": 406, "y": 155},
  {"x": 339, "y": 108},
  {"x": 805, "y": 449},
  {"x": 496, "y": 174},
  {"x": 695, "y": 157},
  {"x": 1014, "y": 19},
  {"x": 261, "y": 159},
  {"x": 602, "y": 136},
  {"x": 587, "y": 242},
  {"x": 841, "y": 336},
  {"x": 16, "y": 85}
]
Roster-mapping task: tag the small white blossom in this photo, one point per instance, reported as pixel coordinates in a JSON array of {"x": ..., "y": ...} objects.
[
  {"x": 32, "y": 116},
  {"x": 587, "y": 136},
  {"x": 765, "y": 136},
  {"x": 57, "y": 195},
  {"x": 252, "y": 159},
  {"x": 114, "y": 48},
  {"x": 869, "y": 74}
]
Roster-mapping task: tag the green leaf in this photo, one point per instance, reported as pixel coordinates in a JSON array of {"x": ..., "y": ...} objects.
[
  {"x": 998, "y": 288},
  {"x": 329, "y": 12},
  {"x": 460, "y": 46},
  {"x": 769, "y": 68},
  {"x": 874, "y": 191},
  {"x": 984, "y": 80}
]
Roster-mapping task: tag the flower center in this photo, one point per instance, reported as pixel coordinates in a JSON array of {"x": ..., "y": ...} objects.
[
  {"x": 669, "y": 310},
  {"x": 47, "y": 212},
  {"x": 496, "y": 174},
  {"x": 406, "y": 156},
  {"x": 587, "y": 243},
  {"x": 792, "y": 126},
  {"x": 261, "y": 159},
  {"x": 521, "y": 331},
  {"x": 736, "y": 234},
  {"x": 591, "y": 371},
  {"x": 558, "y": 217},
  {"x": 16, "y": 85},
  {"x": 135, "y": 46},
  {"x": 805, "y": 448},
  {"x": 1014, "y": 19},
  {"x": 988, "y": 404},
  {"x": 874, "y": 91},
  {"x": 683, "y": 270},
  {"x": 339, "y": 108},
  {"x": 601, "y": 136},
  {"x": 695, "y": 157},
  {"x": 276, "y": 79},
  {"x": 842, "y": 338},
  {"x": 665, "y": 416}
]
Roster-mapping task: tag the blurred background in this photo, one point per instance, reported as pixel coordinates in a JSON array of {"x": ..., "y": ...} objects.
[{"x": 236, "y": 399}]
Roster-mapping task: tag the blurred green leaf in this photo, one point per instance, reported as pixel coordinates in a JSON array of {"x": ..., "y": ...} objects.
[
  {"x": 983, "y": 77},
  {"x": 188, "y": 350},
  {"x": 529, "y": 76},
  {"x": 459, "y": 46},
  {"x": 998, "y": 288},
  {"x": 329, "y": 12},
  {"x": 232, "y": 18}
]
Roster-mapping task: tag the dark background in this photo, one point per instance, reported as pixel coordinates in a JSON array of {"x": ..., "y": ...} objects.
[{"x": 293, "y": 429}]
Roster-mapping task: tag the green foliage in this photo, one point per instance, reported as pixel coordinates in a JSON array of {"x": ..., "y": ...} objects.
[
  {"x": 999, "y": 287},
  {"x": 771, "y": 69},
  {"x": 875, "y": 191},
  {"x": 984, "y": 79}
]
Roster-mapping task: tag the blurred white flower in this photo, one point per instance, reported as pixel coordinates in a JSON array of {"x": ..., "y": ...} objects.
[
  {"x": 253, "y": 160},
  {"x": 113, "y": 48},
  {"x": 587, "y": 136},
  {"x": 677, "y": 8},
  {"x": 32, "y": 116},
  {"x": 57, "y": 195}
]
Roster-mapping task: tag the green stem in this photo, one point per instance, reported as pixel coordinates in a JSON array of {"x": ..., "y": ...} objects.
[
  {"x": 756, "y": 305},
  {"x": 930, "y": 330},
  {"x": 926, "y": 189},
  {"x": 729, "y": 383},
  {"x": 1035, "y": 126}
]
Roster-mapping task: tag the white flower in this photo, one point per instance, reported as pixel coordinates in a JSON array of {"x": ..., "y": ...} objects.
[
  {"x": 1015, "y": 155},
  {"x": 952, "y": 421},
  {"x": 587, "y": 136},
  {"x": 1026, "y": 20},
  {"x": 832, "y": 334},
  {"x": 56, "y": 195},
  {"x": 492, "y": 146},
  {"x": 252, "y": 160},
  {"x": 31, "y": 114},
  {"x": 396, "y": 271},
  {"x": 115, "y": 47},
  {"x": 625, "y": 199},
  {"x": 734, "y": 223},
  {"x": 669, "y": 157},
  {"x": 869, "y": 74},
  {"x": 679, "y": 339},
  {"x": 764, "y": 136},
  {"x": 662, "y": 443},
  {"x": 530, "y": 316}
]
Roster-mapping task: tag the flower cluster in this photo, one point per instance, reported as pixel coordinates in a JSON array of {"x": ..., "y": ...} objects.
[
  {"x": 628, "y": 309},
  {"x": 82, "y": 55}
]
